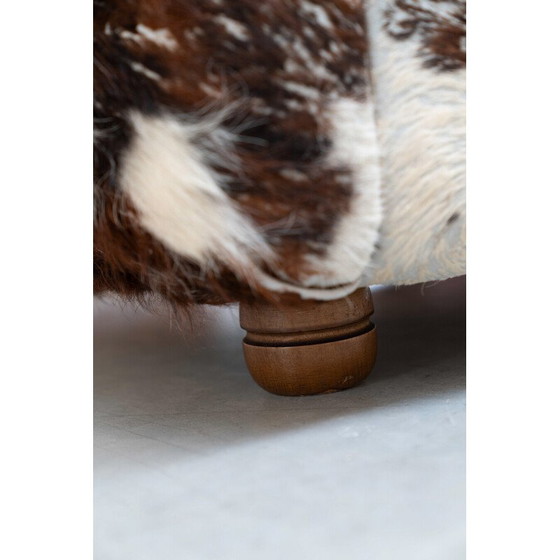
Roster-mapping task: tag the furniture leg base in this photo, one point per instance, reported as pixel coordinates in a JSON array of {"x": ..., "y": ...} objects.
[{"x": 310, "y": 347}]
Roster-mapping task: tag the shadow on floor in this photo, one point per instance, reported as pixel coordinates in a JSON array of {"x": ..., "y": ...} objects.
[{"x": 191, "y": 390}]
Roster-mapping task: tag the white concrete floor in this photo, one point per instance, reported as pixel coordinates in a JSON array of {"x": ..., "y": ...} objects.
[{"x": 193, "y": 461}]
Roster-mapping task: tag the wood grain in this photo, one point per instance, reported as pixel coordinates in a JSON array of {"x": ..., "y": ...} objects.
[{"x": 310, "y": 347}]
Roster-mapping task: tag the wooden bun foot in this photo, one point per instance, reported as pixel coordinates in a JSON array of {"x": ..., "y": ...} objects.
[{"x": 310, "y": 347}]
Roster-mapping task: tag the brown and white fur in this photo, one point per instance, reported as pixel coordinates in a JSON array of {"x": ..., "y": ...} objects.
[{"x": 272, "y": 148}]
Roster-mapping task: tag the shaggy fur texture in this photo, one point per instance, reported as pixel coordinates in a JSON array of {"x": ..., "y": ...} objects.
[
  {"x": 276, "y": 148},
  {"x": 418, "y": 60},
  {"x": 235, "y": 148}
]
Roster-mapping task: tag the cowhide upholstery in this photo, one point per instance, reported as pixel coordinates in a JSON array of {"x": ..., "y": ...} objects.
[{"x": 275, "y": 147}]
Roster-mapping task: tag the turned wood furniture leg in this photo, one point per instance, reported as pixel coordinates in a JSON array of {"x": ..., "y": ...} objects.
[{"x": 310, "y": 347}]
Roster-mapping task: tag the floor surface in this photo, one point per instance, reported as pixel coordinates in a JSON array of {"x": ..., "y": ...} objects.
[{"x": 193, "y": 461}]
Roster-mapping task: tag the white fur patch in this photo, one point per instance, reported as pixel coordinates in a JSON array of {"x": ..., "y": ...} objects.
[
  {"x": 355, "y": 146},
  {"x": 161, "y": 37},
  {"x": 141, "y": 69},
  {"x": 232, "y": 27},
  {"x": 318, "y": 12},
  {"x": 421, "y": 127},
  {"x": 166, "y": 174}
]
